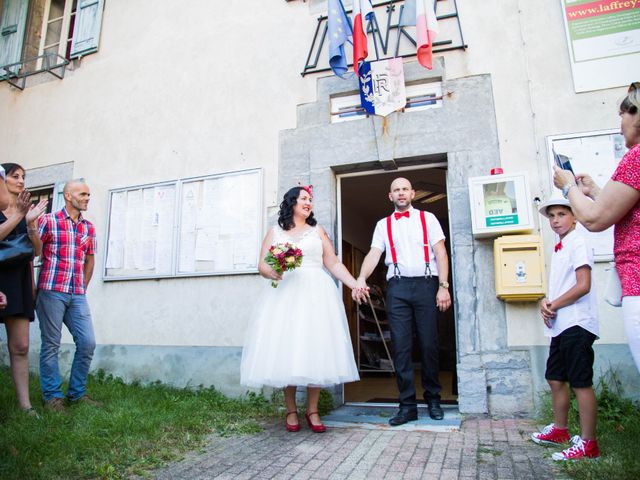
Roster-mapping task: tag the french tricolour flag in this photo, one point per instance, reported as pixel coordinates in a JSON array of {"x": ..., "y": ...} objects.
[
  {"x": 421, "y": 14},
  {"x": 362, "y": 11}
]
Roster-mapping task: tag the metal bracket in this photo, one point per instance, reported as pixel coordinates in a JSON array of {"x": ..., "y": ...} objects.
[
  {"x": 15, "y": 75},
  {"x": 382, "y": 44}
]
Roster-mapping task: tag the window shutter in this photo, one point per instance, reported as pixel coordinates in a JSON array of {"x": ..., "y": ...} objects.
[
  {"x": 13, "y": 24},
  {"x": 57, "y": 202},
  {"x": 86, "y": 31}
]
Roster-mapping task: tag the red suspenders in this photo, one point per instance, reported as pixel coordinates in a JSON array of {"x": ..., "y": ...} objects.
[{"x": 425, "y": 240}]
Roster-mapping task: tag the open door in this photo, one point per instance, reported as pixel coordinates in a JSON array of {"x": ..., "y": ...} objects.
[{"x": 363, "y": 201}]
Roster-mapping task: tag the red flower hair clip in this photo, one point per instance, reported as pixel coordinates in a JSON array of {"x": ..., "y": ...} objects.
[{"x": 308, "y": 189}]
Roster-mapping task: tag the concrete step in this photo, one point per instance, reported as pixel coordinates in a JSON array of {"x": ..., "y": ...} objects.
[{"x": 376, "y": 417}]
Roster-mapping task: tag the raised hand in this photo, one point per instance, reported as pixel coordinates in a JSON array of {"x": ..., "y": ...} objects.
[
  {"x": 3, "y": 301},
  {"x": 23, "y": 202},
  {"x": 562, "y": 177},
  {"x": 35, "y": 211}
]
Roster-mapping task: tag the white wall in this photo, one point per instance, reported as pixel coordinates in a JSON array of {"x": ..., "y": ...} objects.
[
  {"x": 173, "y": 92},
  {"x": 194, "y": 88},
  {"x": 523, "y": 45}
]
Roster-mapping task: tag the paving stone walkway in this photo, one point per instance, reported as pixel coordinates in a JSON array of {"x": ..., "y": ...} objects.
[{"x": 483, "y": 449}]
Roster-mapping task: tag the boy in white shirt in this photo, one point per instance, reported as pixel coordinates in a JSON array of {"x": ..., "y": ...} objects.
[{"x": 570, "y": 316}]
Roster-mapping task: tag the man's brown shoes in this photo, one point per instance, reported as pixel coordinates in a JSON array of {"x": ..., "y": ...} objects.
[{"x": 55, "y": 404}]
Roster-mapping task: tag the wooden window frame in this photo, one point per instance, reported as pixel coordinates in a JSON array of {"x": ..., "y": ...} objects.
[{"x": 64, "y": 46}]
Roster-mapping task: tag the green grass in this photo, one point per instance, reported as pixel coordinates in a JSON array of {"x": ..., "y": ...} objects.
[
  {"x": 618, "y": 431},
  {"x": 139, "y": 429}
]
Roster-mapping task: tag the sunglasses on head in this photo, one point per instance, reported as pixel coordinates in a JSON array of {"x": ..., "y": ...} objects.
[{"x": 634, "y": 86}]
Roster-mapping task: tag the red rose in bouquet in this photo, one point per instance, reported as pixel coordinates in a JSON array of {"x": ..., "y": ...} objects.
[{"x": 282, "y": 257}]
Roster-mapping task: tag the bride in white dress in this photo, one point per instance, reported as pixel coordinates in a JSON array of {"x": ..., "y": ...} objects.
[{"x": 299, "y": 334}]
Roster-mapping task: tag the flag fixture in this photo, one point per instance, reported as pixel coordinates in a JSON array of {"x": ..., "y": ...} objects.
[
  {"x": 339, "y": 30},
  {"x": 362, "y": 12},
  {"x": 421, "y": 14},
  {"x": 382, "y": 89}
]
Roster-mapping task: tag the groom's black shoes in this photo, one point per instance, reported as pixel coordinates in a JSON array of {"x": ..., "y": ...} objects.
[
  {"x": 404, "y": 415},
  {"x": 435, "y": 410}
]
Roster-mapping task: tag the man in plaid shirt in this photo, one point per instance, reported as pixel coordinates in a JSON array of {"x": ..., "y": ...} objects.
[{"x": 68, "y": 247}]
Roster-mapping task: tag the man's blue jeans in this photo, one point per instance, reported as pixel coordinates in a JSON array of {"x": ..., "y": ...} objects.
[{"x": 54, "y": 309}]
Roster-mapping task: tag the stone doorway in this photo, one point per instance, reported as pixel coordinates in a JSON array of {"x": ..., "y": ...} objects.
[{"x": 492, "y": 378}]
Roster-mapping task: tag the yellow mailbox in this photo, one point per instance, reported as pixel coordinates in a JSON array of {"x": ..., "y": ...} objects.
[{"x": 519, "y": 268}]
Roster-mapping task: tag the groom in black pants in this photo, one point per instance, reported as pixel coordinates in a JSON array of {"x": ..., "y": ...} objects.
[{"x": 418, "y": 269}]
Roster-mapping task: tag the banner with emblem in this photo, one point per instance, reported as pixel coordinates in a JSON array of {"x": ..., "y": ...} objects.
[{"x": 382, "y": 89}]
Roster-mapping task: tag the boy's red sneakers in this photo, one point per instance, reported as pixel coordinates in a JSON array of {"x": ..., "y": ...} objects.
[
  {"x": 580, "y": 449},
  {"x": 551, "y": 435}
]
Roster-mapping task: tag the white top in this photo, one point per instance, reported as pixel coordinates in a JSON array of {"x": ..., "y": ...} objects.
[
  {"x": 584, "y": 312},
  {"x": 408, "y": 240}
]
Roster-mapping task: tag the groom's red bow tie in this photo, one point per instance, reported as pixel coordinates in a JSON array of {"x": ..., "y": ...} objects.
[
  {"x": 558, "y": 246},
  {"x": 399, "y": 215}
]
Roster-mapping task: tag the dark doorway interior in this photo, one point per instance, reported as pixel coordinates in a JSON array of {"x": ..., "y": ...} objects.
[{"x": 364, "y": 201}]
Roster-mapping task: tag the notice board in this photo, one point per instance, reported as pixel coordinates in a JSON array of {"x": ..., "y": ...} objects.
[
  {"x": 598, "y": 154},
  {"x": 207, "y": 225}
]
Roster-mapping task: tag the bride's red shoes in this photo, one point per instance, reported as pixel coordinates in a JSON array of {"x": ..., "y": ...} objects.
[
  {"x": 290, "y": 427},
  {"x": 319, "y": 428}
]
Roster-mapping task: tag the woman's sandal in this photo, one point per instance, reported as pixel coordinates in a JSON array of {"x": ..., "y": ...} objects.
[
  {"x": 31, "y": 412},
  {"x": 320, "y": 428},
  {"x": 289, "y": 427}
]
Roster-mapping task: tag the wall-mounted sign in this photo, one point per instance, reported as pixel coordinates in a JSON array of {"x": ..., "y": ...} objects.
[{"x": 604, "y": 42}]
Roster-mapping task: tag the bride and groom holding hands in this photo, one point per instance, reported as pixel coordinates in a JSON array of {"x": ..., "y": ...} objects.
[{"x": 299, "y": 336}]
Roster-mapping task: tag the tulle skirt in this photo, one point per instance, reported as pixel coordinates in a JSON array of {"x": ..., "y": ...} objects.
[{"x": 299, "y": 334}]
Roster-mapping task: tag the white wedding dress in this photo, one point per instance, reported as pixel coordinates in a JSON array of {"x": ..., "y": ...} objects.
[{"x": 298, "y": 334}]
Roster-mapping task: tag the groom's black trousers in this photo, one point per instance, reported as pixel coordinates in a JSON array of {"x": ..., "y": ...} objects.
[{"x": 411, "y": 306}]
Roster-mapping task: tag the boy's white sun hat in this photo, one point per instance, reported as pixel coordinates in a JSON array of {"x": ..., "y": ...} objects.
[{"x": 552, "y": 203}]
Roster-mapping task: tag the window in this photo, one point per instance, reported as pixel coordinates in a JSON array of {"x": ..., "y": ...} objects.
[
  {"x": 57, "y": 29},
  {"x": 346, "y": 109},
  {"x": 421, "y": 96},
  {"x": 54, "y": 195},
  {"x": 43, "y": 194}
]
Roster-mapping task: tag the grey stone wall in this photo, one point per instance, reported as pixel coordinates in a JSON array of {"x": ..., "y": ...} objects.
[{"x": 491, "y": 377}]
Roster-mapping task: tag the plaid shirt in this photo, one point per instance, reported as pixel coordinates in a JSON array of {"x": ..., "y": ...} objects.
[{"x": 65, "y": 245}]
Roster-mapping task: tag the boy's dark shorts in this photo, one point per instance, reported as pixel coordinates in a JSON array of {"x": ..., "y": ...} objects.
[{"x": 571, "y": 358}]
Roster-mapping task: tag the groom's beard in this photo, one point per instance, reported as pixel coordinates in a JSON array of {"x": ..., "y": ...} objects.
[{"x": 402, "y": 205}]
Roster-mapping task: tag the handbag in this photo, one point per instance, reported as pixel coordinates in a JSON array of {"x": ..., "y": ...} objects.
[
  {"x": 613, "y": 290},
  {"x": 15, "y": 250}
]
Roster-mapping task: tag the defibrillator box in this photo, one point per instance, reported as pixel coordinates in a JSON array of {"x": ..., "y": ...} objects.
[
  {"x": 519, "y": 268},
  {"x": 500, "y": 204}
]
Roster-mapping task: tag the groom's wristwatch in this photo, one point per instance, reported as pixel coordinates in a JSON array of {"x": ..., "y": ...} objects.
[{"x": 444, "y": 285}]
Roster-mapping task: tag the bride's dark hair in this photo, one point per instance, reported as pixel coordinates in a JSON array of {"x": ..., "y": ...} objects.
[{"x": 285, "y": 214}]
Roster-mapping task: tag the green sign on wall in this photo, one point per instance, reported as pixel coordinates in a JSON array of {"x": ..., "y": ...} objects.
[
  {"x": 502, "y": 220},
  {"x": 602, "y": 28}
]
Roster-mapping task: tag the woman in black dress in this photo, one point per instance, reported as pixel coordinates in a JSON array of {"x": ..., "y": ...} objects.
[{"x": 17, "y": 282}]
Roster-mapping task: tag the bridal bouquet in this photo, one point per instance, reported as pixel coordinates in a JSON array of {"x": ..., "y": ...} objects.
[{"x": 282, "y": 257}]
